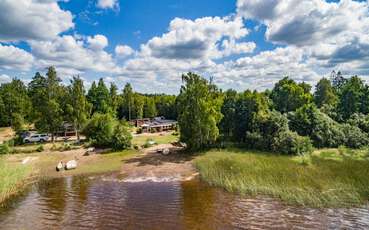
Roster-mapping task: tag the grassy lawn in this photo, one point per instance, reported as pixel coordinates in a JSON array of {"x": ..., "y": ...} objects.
[
  {"x": 328, "y": 178},
  {"x": 159, "y": 139},
  {"x": 13, "y": 177}
]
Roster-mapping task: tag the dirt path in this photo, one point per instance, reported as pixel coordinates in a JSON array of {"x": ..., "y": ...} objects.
[{"x": 153, "y": 166}]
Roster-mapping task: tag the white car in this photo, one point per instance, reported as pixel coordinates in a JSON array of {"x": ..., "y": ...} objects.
[{"x": 36, "y": 138}]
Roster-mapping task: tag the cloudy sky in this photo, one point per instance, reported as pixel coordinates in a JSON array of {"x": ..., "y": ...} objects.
[{"x": 150, "y": 43}]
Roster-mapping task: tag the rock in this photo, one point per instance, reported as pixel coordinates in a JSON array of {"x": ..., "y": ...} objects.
[
  {"x": 71, "y": 165},
  {"x": 166, "y": 151},
  {"x": 59, "y": 166}
]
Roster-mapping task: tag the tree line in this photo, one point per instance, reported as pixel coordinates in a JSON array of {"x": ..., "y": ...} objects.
[
  {"x": 47, "y": 103},
  {"x": 289, "y": 118}
]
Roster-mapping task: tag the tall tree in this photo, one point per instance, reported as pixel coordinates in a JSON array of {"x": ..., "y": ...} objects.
[
  {"x": 78, "y": 106},
  {"x": 15, "y": 103},
  {"x": 49, "y": 110},
  {"x": 287, "y": 95},
  {"x": 351, "y": 94},
  {"x": 115, "y": 100},
  {"x": 324, "y": 93},
  {"x": 150, "y": 108},
  {"x": 228, "y": 123},
  {"x": 127, "y": 104},
  {"x": 199, "y": 105}
]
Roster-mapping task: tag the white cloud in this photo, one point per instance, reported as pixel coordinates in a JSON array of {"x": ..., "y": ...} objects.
[
  {"x": 123, "y": 50},
  {"x": 4, "y": 78},
  {"x": 72, "y": 55},
  {"x": 231, "y": 47},
  {"x": 108, "y": 4},
  {"x": 32, "y": 20},
  {"x": 14, "y": 58},
  {"x": 194, "y": 39},
  {"x": 97, "y": 42}
]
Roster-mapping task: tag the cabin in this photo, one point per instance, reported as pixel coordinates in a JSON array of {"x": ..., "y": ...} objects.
[{"x": 157, "y": 124}]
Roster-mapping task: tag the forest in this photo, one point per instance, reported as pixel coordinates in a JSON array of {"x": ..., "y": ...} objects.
[{"x": 290, "y": 118}]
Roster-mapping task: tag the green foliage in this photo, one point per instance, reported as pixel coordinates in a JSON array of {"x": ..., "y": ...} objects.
[
  {"x": 287, "y": 95},
  {"x": 325, "y": 94},
  {"x": 351, "y": 95},
  {"x": 100, "y": 129},
  {"x": 122, "y": 137},
  {"x": 323, "y": 131},
  {"x": 40, "y": 148},
  {"x": 78, "y": 107},
  {"x": 150, "y": 108},
  {"x": 14, "y": 104},
  {"x": 199, "y": 104},
  {"x": 4, "y": 148},
  {"x": 105, "y": 131},
  {"x": 228, "y": 123},
  {"x": 289, "y": 142},
  {"x": 359, "y": 120},
  {"x": 303, "y": 180},
  {"x": 48, "y": 98},
  {"x": 354, "y": 137},
  {"x": 251, "y": 107}
]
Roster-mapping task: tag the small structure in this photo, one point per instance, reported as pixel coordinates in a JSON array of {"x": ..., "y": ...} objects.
[
  {"x": 159, "y": 124},
  {"x": 139, "y": 122}
]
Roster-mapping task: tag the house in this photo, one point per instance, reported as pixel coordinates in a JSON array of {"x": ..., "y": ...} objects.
[
  {"x": 139, "y": 122},
  {"x": 158, "y": 124}
]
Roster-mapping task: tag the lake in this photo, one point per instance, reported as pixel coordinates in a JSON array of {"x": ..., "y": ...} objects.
[{"x": 106, "y": 202}]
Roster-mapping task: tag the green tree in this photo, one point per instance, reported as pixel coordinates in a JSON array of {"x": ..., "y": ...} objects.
[
  {"x": 350, "y": 100},
  {"x": 228, "y": 123},
  {"x": 325, "y": 94},
  {"x": 49, "y": 109},
  {"x": 78, "y": 106},
  {"x": 138, "y": 106},
  {"x": 15, "y": 103},
  {"x": 115, "y": 100},
  {"x": 150, "y": 108},
  {"x": 287, "y": 95},
  {"x": 250, "y": 107},
  {"x": 127, "y": 105},
  {"x": 199, "y": 104}
]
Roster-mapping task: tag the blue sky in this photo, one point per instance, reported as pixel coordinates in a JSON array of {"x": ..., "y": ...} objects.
[{"x": 243, "y": 44}]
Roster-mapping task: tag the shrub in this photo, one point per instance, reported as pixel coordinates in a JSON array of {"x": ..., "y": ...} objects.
[
  {"x": 323, "y": 130},
  {"x": 40, "y": 148},
  {"x": 100, "y": 130},
  {"x": 105, "y": 131},
  {"x": 4, "y": 148},
  {"x": 289, "y": 142},
  {"x": 360, "y": 120},
  {"x": 122, "y": 137},
  {"x": 354, "y": 137}
]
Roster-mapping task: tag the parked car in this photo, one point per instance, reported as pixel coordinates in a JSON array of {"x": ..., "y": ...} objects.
[{"x": 36, "y": 138}]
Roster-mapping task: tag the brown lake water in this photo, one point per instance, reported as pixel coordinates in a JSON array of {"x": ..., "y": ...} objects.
[{"x": 103, "y": 203}]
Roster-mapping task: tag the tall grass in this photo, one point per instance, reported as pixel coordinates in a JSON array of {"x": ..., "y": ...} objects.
[
  {"x": 320, "y": 183},
  {"x": 12, "y": 178}
]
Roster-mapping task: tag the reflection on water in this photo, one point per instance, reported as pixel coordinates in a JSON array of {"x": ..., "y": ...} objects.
[{"x": 97, "y": 203}]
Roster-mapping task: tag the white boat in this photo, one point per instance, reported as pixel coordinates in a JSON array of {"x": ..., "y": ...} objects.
[{"x": 71, "y": 165}]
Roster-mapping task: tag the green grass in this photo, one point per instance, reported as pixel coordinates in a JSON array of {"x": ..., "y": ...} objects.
[
  {"x": 321, "y": 182},
  {"x": 164, "y": 139},
  {"x": 13, "y": 178}
]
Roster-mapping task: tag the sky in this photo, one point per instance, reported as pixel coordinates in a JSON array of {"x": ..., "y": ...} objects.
[{"x": 241, "y": 44}]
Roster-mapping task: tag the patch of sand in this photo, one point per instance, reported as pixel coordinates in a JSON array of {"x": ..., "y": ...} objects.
[{"x": 153, "y": 166}]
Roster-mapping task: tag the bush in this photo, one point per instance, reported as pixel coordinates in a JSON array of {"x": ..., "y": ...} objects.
[
  {"x": 359, "y": 120},
  {"x": 40, "y": 148},
  {"x": 105, "y": 131},
  {"x": 122, "y": 136},
  {"x": 323, "y": 130},
  {"x": 289, "y": 142},
  {"x": 4, "y": 148},
  {"x": 100, "y": 130},
  {"x": 354, "y": 137}
]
